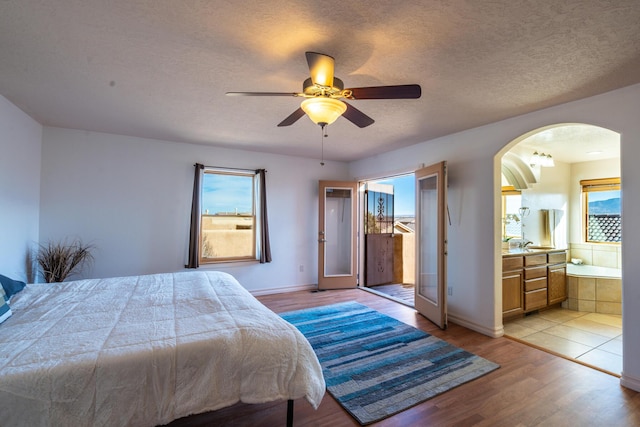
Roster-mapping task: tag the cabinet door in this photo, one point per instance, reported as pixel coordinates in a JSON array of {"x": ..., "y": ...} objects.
[
  {"x": 512, "y": 303},
  {"x": 557, "y": 285}
]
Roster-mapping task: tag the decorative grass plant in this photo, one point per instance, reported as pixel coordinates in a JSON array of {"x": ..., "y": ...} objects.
[{"x": 59, "y": 260}]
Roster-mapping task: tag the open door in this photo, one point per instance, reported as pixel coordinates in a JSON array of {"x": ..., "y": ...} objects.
[
  {"x": 431, "y": 241},
  {"x": 378, "y": 234},
  {"x": 337, "y": 235}
]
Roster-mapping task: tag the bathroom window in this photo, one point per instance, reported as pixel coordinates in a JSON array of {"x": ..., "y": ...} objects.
[
  {"x": 601, "y": 210},
  {"x": 511, "y": 221}
]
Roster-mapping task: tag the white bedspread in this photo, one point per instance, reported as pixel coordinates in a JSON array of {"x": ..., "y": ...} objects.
[{"x": 145, "y": 350}]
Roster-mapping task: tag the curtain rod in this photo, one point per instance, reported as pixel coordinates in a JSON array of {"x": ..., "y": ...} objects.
[{"x": 228, "y": 168}]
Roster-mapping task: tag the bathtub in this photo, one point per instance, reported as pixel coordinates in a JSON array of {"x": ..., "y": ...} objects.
[{"x": 595, "y": 289}]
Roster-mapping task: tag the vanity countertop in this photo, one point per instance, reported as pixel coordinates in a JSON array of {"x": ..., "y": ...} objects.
[{"x": 530, "y": 250}]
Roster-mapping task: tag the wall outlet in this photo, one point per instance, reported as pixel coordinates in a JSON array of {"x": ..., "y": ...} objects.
[
  {"x": 450, "y": 291},
  {"x": 301, "y": 268}
]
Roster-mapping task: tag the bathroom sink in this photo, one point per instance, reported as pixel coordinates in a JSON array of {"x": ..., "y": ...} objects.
[{"x": 528, "y": 250}]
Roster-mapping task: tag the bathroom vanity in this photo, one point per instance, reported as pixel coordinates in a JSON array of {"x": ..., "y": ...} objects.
[{"x": 532, "y": 279}]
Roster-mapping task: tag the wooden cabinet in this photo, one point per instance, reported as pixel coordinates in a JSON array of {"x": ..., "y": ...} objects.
[
  {"x": 533, "y": 260},
  {"x": 557, "y": 280},
  {"x": 535, "y": 300},
  {"x": 532, "y": 281},
  {"x": 535, "y": 282},
  {"x": 512, "y": 293},
  {"x": 512, "y": 279},
  {"x": 557, "y": 257}
]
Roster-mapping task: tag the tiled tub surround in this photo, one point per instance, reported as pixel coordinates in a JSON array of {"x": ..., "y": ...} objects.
[
  {"x": 594, "y": 289},
  {"x": 604, "y": 255}
]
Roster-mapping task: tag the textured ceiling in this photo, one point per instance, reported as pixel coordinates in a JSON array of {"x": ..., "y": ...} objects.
[
  {"x": 160, "y": 68},
  {"x": 571, "y": 143}
]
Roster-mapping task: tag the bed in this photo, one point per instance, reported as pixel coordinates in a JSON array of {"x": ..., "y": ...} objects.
[{"x": 146, "y": 350}]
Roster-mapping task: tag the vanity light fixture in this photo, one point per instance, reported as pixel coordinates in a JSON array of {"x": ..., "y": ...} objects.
[
  {"x": 548, "y": 161},
  {"x": 535, "y": 159},
  {"x": 541, "y": 159}
]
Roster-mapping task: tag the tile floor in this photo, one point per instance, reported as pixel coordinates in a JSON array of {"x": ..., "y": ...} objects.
[{"x": 591, "y": 338}]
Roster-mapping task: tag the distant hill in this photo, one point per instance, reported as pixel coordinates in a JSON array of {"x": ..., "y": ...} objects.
[{"x": 603, "y": 207}]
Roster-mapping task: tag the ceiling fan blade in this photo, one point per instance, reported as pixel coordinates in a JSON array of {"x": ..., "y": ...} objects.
[
  {"x": 386, "y": 92},
  {"x": 321, "y": 68},
  {"x": 357, "y": 117},
  {"x": 263, "y": 94},
  {"x": 293, "y": 117}
]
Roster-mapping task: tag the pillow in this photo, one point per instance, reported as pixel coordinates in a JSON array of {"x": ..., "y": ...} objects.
[
  {"x": 11, "y": 287},
  {"x": 5, "y": 310}
]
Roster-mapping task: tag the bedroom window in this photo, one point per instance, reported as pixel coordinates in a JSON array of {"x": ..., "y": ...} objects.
[
  {"x": 601, "y": 210},
  {"x": 228, "y": 218}
]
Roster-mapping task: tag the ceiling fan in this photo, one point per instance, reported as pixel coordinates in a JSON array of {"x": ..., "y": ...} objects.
[{"x": 323, "y": 93}]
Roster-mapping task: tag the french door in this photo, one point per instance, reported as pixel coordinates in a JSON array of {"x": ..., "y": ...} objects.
[
  {"x": 337, "y": 239},
  {"x": 337, "y": 228},
  {"x": 431, "y": 241}
]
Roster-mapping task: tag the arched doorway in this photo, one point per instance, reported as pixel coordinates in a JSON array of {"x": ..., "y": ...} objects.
[{"x": 586, "y": 326}]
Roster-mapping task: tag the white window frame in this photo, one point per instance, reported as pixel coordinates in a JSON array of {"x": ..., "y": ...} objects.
[{"x": 224, "y": 237}]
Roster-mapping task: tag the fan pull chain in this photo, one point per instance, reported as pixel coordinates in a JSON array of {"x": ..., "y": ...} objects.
[{"x": 323, "y": 135}]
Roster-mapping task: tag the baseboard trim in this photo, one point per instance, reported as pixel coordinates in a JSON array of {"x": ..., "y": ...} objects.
[
  {"x": 283, "y": 290},
  {"x": 630, "y": 382},
  {"x": 491, "y": 332}
]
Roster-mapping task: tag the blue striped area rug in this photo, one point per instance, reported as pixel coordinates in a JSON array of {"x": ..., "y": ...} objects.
[{"x": 376, "y": 366}]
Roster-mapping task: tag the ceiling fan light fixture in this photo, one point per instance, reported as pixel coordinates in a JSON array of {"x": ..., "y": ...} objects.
[{"x": 323, "y": 110}]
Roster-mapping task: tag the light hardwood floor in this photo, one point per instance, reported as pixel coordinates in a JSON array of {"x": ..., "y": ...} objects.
[{"x": 531, "y": 388}]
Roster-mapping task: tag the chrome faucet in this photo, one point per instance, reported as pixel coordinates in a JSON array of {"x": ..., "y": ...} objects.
[{"x": 523, "y": 244}]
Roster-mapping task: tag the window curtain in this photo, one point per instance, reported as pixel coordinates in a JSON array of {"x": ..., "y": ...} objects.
[
  {"x": 265, "y": 252},
  {"x": 194, "y": 232}
]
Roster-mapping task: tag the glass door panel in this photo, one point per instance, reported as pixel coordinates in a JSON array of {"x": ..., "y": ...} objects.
[
  {"x": 337, "y": 235},
  {"x": 430, "y": 290},
  {"x": 428, "y": 199},
  {"x": 338, "y": 232}
]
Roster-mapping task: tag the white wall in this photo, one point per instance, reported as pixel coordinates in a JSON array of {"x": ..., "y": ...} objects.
[
  {"x": 20, "y": 144},
  {"x": 131, "y": 198},
  {"x": 469, "y": 157},
  {"x": 474, "y": 159}
]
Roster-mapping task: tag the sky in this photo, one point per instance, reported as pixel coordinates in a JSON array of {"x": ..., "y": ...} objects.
[
  {"x": 237, "y": 190},
  {"x": 404, "y": 194},
  {"x": 226, "y": 193},
  {"x": 596, "y": 196}
]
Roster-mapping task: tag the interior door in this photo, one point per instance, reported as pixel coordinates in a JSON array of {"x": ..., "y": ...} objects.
[
  {"x": 337, "y": 235},
  {"x": 431, "y": 241}
]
